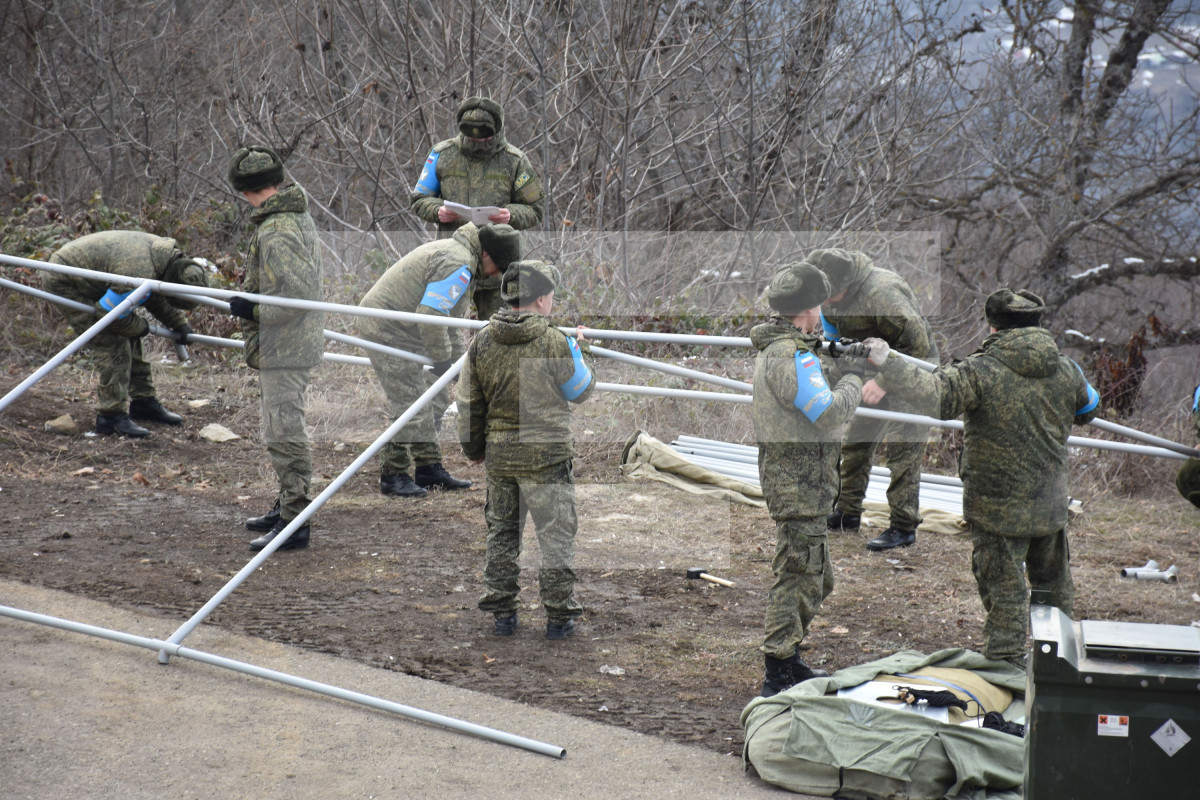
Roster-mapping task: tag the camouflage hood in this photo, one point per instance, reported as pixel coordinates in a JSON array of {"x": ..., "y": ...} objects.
[
  {"x": 290, "y": 198},
  {"x": 517, "y": 327},
  {"x": 1029, "y": 352},
  {"x": 853, "y": 280},
  {"x": 764, "y": 335},
  {"x": 481, "y": 108}
]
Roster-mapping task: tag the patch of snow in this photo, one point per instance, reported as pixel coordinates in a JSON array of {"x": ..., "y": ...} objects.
[{"x": 1091, "y": 271}]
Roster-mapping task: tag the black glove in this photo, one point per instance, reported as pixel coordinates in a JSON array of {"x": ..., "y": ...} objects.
[
  {"x": 440, "y": 367},
  {"x": 848, "y": 348},
  {"x": 241, "y": 307},
  {"x": 184, "y": 332}
]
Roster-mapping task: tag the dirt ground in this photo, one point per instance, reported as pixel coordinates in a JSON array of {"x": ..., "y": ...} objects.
[{"x": 393, "y": 583}]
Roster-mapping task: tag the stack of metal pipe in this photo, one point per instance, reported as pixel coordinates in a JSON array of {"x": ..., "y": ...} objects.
[{"x": 740, "y": 461}]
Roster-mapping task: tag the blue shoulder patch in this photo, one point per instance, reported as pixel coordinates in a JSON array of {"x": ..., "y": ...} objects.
[
  {"x": 579, "y": 381},
  {"x": 812, "y": 390},
  {"x": 1196, "y": 400},
  {"x": 831, "y": 332},
  {"x": 442, "y": 295},
  {"x": 1092, "y": 395},
  {"x": 428, "y": 183}
]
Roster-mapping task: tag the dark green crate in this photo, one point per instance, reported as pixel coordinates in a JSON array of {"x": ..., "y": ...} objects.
[{"x": 1107, "y": 702}]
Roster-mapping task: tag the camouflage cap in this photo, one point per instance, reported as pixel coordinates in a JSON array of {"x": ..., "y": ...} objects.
[
  {"x": 526, "y": 281},
  {"x": 185, "y": 271},
  {"x": 502, "y": 243},
  {"x": 837, "y": 264},
  {"x": 254, "y": 168},
  {"x": 1006, "y": 309},
  {"x": 479, "y": 118},
  {"x": 1187, "y": 481},
  {"x": 797, "y": 287}
]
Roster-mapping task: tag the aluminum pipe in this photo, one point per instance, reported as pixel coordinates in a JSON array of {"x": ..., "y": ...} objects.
[
  {"x": 317, "y": 502},
  {"x": 288, "y": 680},
  {"x": 131, "y": 299}
]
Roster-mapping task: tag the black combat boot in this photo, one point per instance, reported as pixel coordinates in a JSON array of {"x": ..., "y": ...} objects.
[
  {"x": 119, "y": 423},
  {"x": 506, "y": 626},
  {"x": 559, "y": 630},
  {"x": 892, "y": 537},
  {"x": 148, "y": 409},
  {"x": 778, "y": 676},
  {"x": 400, "y": 486},
  {"x": 841, "y": 521},
  {"x": 434, "y": 476},
  {"x": 298, "y": 539},
  {"x": 266, "y": 521},
  {"x": 803, "y": 672}
]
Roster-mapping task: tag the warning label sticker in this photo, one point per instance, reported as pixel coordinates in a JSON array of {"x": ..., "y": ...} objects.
[
  {"x": 1112, "y": 725},
  {"x": 1170, "y": 737}
]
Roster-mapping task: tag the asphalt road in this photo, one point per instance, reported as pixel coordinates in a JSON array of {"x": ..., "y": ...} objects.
[{"x": 85, "y": 717}]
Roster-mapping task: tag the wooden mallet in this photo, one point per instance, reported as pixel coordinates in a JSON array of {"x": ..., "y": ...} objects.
[{"x": 702, "y": 574}]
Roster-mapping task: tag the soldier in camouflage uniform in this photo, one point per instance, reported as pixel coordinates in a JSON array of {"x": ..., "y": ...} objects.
[
  {"x": 478, "y": 167},
  {"x": 870, "y": 302},
  {"x": 124, "y": 371},
  {"x": 1187, "y": 480},
  {"x": 283, "y": 344},
  {"x": 1018, "y": 397},
  {"x": 514, "y": 398},
  {"x": 798, "y": 423},
  {"x": 435, "y": 278}
]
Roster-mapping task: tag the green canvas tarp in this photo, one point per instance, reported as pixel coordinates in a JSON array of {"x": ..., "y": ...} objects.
[{"x": 809, "y": 740}]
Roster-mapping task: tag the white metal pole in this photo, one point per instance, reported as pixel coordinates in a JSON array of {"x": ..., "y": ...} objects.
[
  {"x": 320, "y": 500},
  {"x": 333, "y": 336},
  {"x": 1133, "y": 433},
  {"x": 591, "y": 333},
  {"x": 672, "y": 369},
  {"x": 686, "y": 394},
  {"x": 132, "y": 299},
  {"x": 290, "y": 680}
]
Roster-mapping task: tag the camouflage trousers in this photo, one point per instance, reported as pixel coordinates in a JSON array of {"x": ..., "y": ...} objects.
[
  {"x": 803, "y": 579},
  {"x": 124, "y": 370},
  {"x": 996, "y": 561},
  {"x": 905, "y": 452},
  {"x": 283, "y": 393},
  {"x": 547, "y": 496},
  {"x": 403, "y": 382}
]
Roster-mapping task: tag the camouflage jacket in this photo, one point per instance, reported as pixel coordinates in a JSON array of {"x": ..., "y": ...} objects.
[
  {"x": 880, "y": 303},
  {"x": 435, "y": 279},
  {"x": 130, "y": 253},
  {"x": 1018, "y": 397},
  {"x": 798, "y": 419},
  {"x": 284, "y": 261},
  {"x": 515, "y": 392},
  {"x": 501, "y": 176}
]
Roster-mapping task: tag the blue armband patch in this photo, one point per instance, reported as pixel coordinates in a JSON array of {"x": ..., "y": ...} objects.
[
  {"x": 112, "y": 298},
  {"x": 831, "y": 333},
  {"x": 1092, "y": 395},
  {"x": 579, "y": 381},
  {"x": 1196, "y": 400},
  {"x": 812, "y": 390},
  {"x": 442, "y": 295},
  {"x": 428, "y": 183}
]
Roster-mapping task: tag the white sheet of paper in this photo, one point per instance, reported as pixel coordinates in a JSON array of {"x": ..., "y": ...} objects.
[
  {"x": 871, "y": 691},
  {"x": 477, "y": 214}
]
